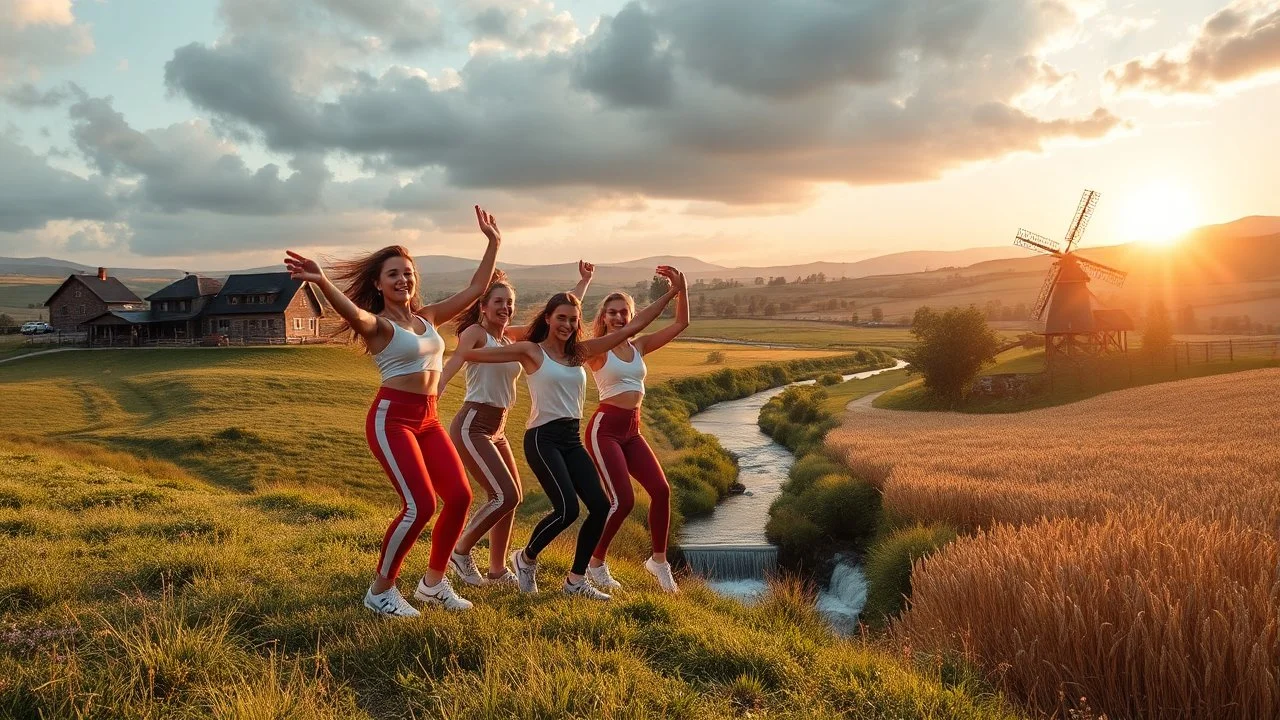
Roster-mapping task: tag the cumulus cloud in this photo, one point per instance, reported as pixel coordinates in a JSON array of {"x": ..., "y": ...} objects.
[
  {"x": 1235, "y": 44},
  {"x": 689, "y": 100},
  {"x": 28, "y": 96},
  {"x": 520, "y": 26},
  {"x": 397, "y": 25},
  {"x": 39, "y": 33},
  {"x": 33, "y": 193},
  {"x": 185, "y": 166}
]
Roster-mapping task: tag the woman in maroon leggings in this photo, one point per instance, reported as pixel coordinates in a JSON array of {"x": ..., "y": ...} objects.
[
  {"x": 613, "y": 436},
  {"x": 380, "y": 305}
]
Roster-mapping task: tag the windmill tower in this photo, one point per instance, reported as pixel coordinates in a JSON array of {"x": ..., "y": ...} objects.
[{"x": 1075, "y": 323}]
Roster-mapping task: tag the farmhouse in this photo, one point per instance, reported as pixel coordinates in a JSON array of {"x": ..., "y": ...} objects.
[
  {"x": 257, "y": 307},
  {"x": 83, "y": 297}
]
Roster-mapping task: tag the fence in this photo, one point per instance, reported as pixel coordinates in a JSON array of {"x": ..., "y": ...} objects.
[{"x": 1181, "y": 359}]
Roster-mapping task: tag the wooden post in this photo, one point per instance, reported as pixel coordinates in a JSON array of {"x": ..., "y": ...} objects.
[{"x": 1231, "y": 351}]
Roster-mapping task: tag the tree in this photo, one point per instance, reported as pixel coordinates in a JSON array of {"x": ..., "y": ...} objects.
[
  {"x": 770, "y": 310},
  {"x": 1187, "y": 319},
  {"x": 658, "y": 287},
  {"x": 877, "y": 314},
  {"x": 950, "y": 350},
  {"x": 701, "y": 308},
  {"x": 7, "y": 321},
  {"x": 854, "y": 318},
  {"x": 759, "y": 281},
  {"x": 1157, "y": 337}
]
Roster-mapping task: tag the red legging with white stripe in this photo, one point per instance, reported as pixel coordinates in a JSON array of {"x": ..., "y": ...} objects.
[
  {"x": 414, "y": 449},
  {"x": 620, "y": 452}
]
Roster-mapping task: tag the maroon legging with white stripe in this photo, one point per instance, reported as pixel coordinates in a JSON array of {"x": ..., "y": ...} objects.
[
  {"x": 407, "y": 438},
  {"x": 620, "y": 453}
]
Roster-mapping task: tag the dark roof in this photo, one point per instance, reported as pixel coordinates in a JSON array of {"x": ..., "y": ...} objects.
[
  {"x": 130, "y": 317},
  {"x": 110, "y": 290},
  {"x": 277, "y": 283},
  {"x": 1112, "y": 319},
  {"x": 191, "y": 286}
]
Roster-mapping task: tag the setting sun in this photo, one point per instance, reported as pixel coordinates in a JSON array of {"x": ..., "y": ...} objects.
[{"x": 1159, "y": 213}]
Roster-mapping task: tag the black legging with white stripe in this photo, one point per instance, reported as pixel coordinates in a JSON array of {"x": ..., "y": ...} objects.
[{"x": 565, "y": 471}]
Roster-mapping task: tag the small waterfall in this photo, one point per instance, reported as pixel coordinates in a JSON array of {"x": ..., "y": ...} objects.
[
  {"x": 731, "y": 562},
  {"x": 845, "y": 597}
]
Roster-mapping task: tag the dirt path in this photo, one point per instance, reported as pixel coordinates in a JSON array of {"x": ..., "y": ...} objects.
[{"x": 863, "y": 404}]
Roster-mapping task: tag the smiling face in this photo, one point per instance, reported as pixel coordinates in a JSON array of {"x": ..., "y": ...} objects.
[
  {"x": 499, "y": 307},
  {"x": 563, "y": 322},
  {"x": 397, "y": 281},
  {"x": 617, "y": 313}
]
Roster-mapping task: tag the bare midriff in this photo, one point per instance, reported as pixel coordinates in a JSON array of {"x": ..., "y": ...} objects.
[
  {"x": 629, "y": 400},
  {"x": 421, "y": 383}
]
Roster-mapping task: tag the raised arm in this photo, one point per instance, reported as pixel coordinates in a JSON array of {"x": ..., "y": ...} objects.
[
  {"x": 605, "y": 343},
  {"x": 648, "y": 343},
  {"x": 472, "y": 337},
  {"x": 585, "y": 271},
  {"x": 363, "y": 322},
  {"x": 528, "y": 354},
  {"x": 449, "y": 308}
]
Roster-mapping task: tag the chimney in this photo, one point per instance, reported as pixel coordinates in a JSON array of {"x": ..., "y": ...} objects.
[{"x": 102, "y": 273}]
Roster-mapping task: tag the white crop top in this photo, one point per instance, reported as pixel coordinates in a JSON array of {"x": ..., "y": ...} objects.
[
  {"x": 492, "y": 383},
  {"x": 555, "y": 391},
  {"x": 408, "y": 352},
  {"x": 616, "y": 377}
]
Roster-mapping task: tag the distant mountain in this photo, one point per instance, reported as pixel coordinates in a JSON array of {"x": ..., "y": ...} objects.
[
  {"x": 687, "y": 265},
  {"x": 53, "y": 267},
  {"x": 1252, "y": 226},
  {"x": 912, "y": 261}
]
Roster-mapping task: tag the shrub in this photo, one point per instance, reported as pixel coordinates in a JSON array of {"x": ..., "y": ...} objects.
[
  {"x": 888, "y": 567},
  {"x": 715, "y": 357},
  {"x": 831, "y": 379}
]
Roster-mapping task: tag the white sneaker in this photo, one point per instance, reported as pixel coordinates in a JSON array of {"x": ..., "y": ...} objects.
[
  {"x": 662, "y": 571},
  {"x": 390, "y": 603},
  {"x": 441, "y": 594},
  {"x": 466, "y": 569},
  {"x": 506, "y": 578},
  {"x": 583, "y": 588},
  {"x": 526, "y": 575},
  {"x": 600, "y": 577}
]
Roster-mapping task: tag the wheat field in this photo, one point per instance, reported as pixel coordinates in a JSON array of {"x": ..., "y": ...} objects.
[{"x": 1123, "y": 557}]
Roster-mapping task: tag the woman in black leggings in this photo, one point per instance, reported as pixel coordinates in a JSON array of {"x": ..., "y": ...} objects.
[{"x": 552, "y": 358}]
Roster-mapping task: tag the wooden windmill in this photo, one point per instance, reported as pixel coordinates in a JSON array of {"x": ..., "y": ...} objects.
[{"x": 1075, "y": 324}]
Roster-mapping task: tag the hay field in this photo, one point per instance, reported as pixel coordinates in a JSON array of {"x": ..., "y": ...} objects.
[{"x": 1123, "y": 556}]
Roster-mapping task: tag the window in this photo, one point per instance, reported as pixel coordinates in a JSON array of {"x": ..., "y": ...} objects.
[
  {"x": 164, "y": 306},
  {"x": 224, "y": 324},
  {"x": 311, "y": 323},
  {"x": 66, "y": 309},
  {"x": 235, "y": 299},
  {"x": 184, "y": 305},
  {"x": 297, "y": 323},
  {"x": 81, "y": 309},
  {"x": 77, "y": 292}
]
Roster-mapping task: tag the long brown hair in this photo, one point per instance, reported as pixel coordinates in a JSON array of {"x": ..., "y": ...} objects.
[
  {"x": 540, "y": 328},
  {"x": 597, "y": 326},
  {"x": 358, "y": 279},
  {"x": 471, "y": 315}
]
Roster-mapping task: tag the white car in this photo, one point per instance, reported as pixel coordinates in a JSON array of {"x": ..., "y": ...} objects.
[{"x": 36, "y": 327}]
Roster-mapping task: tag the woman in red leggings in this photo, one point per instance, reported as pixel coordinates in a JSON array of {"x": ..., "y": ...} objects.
[
  {"x": 613, "y": 436},
  {"x": 380, "y": 305}
]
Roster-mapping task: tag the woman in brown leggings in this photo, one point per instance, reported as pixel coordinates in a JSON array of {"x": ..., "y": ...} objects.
[{"x": 478, "y": 430}]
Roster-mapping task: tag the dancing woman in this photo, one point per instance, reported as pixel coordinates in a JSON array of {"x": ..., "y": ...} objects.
[
  {"x": 379, "y": 303},
  {"x": 478, "y": 430},
  {"x": 552, "y": 360},
  {"x": 614, "y": 441}
]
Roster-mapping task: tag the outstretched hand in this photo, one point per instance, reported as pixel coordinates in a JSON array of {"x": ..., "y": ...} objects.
[
  {"x": 673, "y": 276},
  {"x": 586, "y": 269},
  {"x": 302, "y": 268},
  {"x": 488, "y": 225}
]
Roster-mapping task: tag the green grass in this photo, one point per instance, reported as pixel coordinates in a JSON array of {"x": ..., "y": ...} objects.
[
  {"x": 839, "y": 396},
  {"x": 800, "y": 333},
  {"x": 1068, "y": 386},
  {"x": 133, "y": 588}
]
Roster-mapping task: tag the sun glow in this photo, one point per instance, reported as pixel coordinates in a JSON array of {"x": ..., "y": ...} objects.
[{"x": 1159, "y": 213}]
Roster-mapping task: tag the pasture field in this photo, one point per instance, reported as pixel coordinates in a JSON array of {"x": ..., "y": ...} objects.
[
  {"x": 186, "y": 533},
  {"x": 800, "y": 333},
  {"x": 1121, "y": 553}
]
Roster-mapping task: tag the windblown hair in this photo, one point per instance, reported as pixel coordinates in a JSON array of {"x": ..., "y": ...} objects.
[
  {"x": 598, "y": 327},
  {"x": 358, "y": 279},
  {"x": 471, "y": 315},
  {"x": 540, "y": 328}
]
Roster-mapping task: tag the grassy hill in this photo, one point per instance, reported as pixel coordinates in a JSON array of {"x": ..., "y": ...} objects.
[{"x": 187, "y": 534}]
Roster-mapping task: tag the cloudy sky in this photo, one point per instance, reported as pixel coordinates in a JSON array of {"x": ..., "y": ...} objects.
[{"x": 215, "y": 133}]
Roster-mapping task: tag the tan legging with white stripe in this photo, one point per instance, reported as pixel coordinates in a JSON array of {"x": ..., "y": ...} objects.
[{"x": 477, "y": 433}]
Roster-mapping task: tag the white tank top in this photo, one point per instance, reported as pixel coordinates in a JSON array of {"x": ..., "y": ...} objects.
[
  {"x": 555, "y": 391},
  {"x": 492, "y": 383},
  {"x": 616, "y": 377},
  {"x": 408, "y": 352}
]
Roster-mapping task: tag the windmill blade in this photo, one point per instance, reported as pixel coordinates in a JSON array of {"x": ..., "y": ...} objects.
[
  {"x": 1038, "y": 243},
  {"x": 1046, "y": 291},
  {"x": 1084, "y": 211},
  {"x": 1098, "y": 271}
]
